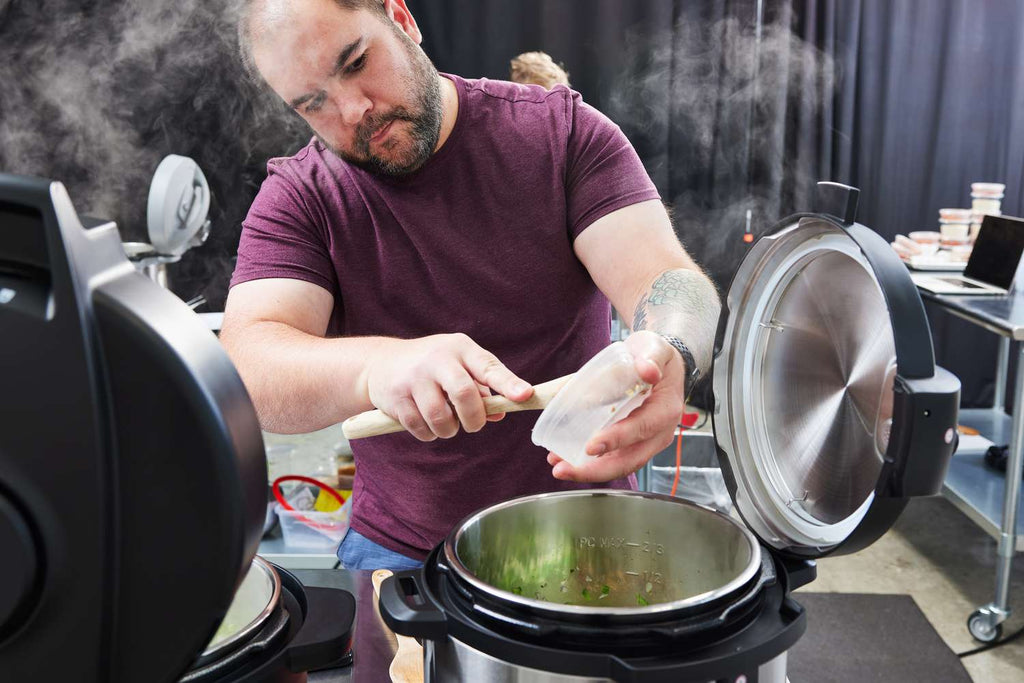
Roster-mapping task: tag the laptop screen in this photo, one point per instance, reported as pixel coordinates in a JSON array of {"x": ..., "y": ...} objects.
[{"x": 997, "y": 251}]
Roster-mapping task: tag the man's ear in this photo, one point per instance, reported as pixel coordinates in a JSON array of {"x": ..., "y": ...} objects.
[{"x": 400, "y": 14}]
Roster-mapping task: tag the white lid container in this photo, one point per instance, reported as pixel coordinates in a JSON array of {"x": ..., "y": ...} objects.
[{"x": 992, "y": 190}]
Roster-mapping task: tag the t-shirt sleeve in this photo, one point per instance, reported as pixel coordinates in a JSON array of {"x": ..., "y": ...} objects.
[
  {"x": 281, "y": 239},
  {"x": 603, "y": 171}
]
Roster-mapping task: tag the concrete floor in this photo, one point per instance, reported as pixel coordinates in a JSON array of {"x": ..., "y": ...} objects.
[{"x": 946, "y": 563}]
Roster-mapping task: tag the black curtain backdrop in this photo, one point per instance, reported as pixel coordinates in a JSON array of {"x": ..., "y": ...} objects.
[
  {"x": 910, "y": 101},
  {"x": 736, "y": 118}
]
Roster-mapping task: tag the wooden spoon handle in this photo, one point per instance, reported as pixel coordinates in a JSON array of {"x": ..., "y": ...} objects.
[
  {"x": 407, "y": 666},
  {"x": 375, "y": 422}
]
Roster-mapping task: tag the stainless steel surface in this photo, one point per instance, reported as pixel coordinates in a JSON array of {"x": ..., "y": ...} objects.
[
  {"x": 1002, "y": 372},
  {"x": 1003, "y": 315},
  {"x": 1014, "y": 470},
  {"x": 973, "y": 489},
  {"x": 609, "y": 553},
  {"x": 453, "y": 660},
  {"x": 255, "y": 599},
  {"x": 827, "y": 384},
  {"x": 804, "y": 386},
  {"x": 977, "y": 490},
  {"x": 148, "y": 262}
]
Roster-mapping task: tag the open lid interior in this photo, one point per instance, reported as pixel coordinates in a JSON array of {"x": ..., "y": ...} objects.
[{"x": 804, "y": 385}]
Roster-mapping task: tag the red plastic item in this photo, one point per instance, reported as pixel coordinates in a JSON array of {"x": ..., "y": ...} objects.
[
  {"x": 276, "y": 488},
  {"x": 686, "y": 421}
]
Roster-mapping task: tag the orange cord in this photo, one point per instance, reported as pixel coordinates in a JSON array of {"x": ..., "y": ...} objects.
[{"x": 679, "y": 452}]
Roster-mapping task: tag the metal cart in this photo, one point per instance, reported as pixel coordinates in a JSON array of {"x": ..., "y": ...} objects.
[{"x": 989, "y": 498}]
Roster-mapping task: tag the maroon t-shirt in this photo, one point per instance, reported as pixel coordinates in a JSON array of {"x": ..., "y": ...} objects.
[{"x": 479, "y": 241}]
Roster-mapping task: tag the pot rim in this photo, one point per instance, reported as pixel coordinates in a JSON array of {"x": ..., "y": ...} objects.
[
  {"x": 555, "y": 609},
  {"x": 216, "y": 649}
]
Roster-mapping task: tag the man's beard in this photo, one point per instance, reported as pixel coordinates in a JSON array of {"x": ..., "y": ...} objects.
[{"x": 423, "y": 132}]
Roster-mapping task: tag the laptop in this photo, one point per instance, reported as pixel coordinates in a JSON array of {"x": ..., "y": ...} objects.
[{"x": 993, "y": 263}]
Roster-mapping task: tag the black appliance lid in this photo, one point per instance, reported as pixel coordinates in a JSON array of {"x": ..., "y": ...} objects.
[
  {"x": 132, "y": 469},
  {"x": 822, "y": 349}
]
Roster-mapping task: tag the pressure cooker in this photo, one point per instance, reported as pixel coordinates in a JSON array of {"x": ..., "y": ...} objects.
[
  {"x": 829, "y": 415},
  {"x": 132, "y": 477}
]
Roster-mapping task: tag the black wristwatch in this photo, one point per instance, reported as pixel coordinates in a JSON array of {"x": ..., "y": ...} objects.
[{"x": 693, "y": 372}]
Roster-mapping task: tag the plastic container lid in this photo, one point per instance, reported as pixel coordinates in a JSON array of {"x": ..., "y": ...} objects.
[
  {"x": 993, "y": 190},
  {"x": 605, "y": 390},
  {"x": 925, "y": 236},
  {"x": 955, "y": 215}
]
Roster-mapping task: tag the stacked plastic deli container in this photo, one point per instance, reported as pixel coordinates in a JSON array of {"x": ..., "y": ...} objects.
[{"x": 986, "y": 198}]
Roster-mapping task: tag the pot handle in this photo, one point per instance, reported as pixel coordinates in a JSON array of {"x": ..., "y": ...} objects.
[
  {"x": 408, "y": 609},
  {"x": 325, "y": 639}
]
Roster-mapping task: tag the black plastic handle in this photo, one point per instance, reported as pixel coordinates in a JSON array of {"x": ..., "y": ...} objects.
[
  {"x": 837, "y": 200},
  {"x": 325, "y": 639},
  {"x": 408, "y": 608},
  {"x": 924, "y": 434}
]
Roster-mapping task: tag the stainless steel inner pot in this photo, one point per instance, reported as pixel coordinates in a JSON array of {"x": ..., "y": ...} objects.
[
  {"x": 257, "y": 596},
  {"x": 603, "y": 552}
]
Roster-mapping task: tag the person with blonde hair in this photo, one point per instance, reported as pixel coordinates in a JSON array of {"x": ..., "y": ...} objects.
[{"x": 538, "y": 68}]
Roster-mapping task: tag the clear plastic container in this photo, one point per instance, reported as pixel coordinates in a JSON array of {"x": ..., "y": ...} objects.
[
  {"x": 313, "y": 530},
  {"x": 987, "y": 197},
  {"x": 993, "y": 190},
  {"x": 605, "y": 390},
  {"x": 927, "y": 240},
  {"x": 954, "y": 233},
  {"x": 955, "y": 215}
]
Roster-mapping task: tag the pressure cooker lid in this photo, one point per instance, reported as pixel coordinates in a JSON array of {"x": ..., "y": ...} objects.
[{"x": 805, "y": 375}]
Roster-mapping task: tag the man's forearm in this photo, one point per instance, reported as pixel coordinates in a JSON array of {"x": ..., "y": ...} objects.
[
  {"x": 301, "y": 382},
  {"x": 682, "y": 303}
]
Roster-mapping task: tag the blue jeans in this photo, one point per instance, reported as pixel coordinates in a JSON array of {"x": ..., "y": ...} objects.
[{"x": 358, "y": 552}]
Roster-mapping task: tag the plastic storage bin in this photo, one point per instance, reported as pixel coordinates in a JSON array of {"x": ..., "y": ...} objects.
[
  {"x": 700, "y": 478},
  {"x": 312, "y": 529}
]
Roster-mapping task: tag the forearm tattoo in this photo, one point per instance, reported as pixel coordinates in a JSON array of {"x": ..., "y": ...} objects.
[{"x": 685, "y": 304}]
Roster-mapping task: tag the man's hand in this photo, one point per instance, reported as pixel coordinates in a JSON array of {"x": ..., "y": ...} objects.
[
  {"x": 433, "y": 384},
  {"x": 625, "y": 446}
]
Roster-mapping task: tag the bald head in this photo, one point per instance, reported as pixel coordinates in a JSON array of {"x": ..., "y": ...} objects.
[{"x": 258, "y": 18}]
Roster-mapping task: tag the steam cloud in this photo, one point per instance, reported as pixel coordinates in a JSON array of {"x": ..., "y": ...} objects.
[
  {"x": 725, "y": 106},
  {"x": 95, "y": 94}
]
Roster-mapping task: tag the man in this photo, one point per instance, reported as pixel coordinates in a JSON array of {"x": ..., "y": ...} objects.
[{"x": 438, "y": 240}]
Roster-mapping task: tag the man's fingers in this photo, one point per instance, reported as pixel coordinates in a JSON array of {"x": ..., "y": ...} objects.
[
  {"x": 464, "y": 396},
  {"x": 487, "y": 369},
  {"x": 434, "y": 408},
  {"x": 652, "y": 420},
  {"x": 485, "y": 391},
  {"x": 652, "y": 353},
  {"x": 617, "y": 465},
  {"x": 406, "y": 412}
]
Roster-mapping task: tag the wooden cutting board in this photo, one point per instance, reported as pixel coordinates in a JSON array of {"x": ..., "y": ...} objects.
[{"x": 407, "y": 666}]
